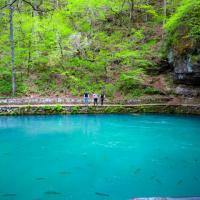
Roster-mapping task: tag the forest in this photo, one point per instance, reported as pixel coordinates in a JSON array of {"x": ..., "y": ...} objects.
[{"x": 67, "y": 47}]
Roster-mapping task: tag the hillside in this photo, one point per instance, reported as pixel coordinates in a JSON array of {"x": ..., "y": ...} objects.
[{"x": 127, "y": 48}]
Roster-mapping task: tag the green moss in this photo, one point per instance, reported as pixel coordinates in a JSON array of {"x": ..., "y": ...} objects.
[
  {"x": 195, "y": 58},
  {"x": 28, "y": 110},
  {"x": 58, "y": 108},
  {"x": 75, "y": 109},
  {"x": 151, "y": 91},
  {"x": 47, "y": 108}
]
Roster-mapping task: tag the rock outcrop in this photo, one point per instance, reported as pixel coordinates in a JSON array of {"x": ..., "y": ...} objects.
[
  {"x": 186, "y": 67},
  {"x": 187, "y": 91},
  {"x": 187, "y": 71}
]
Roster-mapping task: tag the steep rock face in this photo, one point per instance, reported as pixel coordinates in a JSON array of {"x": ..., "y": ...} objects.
[
  {"x": 187, "y": 71},
  {"x": 186, "y": 67}
]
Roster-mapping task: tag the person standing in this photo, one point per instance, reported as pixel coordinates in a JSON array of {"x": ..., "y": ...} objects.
[
  {"x": 95, "y": 97},
  {"x": 85, "y": 99},
  {"x": 102, "y": 97}
]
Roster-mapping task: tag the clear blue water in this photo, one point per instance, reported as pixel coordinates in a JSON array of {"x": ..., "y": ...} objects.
[{"x": 99, "y": 157}]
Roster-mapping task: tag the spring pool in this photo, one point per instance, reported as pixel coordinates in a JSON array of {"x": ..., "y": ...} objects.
[{"x": 95, "y": 157}]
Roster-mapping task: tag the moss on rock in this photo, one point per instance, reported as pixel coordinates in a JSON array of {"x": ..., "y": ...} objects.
[{"x": 60, "y": 109}]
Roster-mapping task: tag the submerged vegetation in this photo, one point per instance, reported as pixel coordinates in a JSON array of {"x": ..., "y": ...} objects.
[{"x": 66, "y": 47}]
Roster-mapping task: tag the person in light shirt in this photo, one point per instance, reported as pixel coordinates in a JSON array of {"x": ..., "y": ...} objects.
[{"x": 95, "y": 98}]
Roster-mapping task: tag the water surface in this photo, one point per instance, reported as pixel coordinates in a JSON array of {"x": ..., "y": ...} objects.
[{"x": 99, "y": 157}]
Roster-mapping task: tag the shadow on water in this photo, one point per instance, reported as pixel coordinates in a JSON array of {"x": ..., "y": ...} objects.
[
  {"x": 152, "y": 177},
  {"x": 179, "y": 182},
  {"x": 137, "y": 171},
  {"x": 52, "y": 193},
  {"x": 64, "y": 173},
  {"x": 158, "y": 181},
  {"x": 102, "y": 194},
  {"x": 9, "y": 195},
  {"x": 40, "y": 178}
]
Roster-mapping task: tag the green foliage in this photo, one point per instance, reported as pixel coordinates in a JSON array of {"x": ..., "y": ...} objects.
[
  {"x": 51, "y": 109},
  {"x": 184, "y": 25},
  {"x": 5, "y": 85},
  {"x": 47, "y": 108},
  {"x": 131, "y": 80},
  {"x": 75, "y": 109},
  {"x": 151, "y": 91},
  {"x": 58, "y": 108},
  {"x": 81, "y": 45}
]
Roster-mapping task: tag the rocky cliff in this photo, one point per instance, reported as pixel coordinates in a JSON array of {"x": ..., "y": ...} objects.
[
  {"x": 186, "y": 73},
  {"x": 187, "y": 69}
]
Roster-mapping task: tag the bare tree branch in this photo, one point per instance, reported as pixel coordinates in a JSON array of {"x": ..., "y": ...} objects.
[
  {"x": 35, "y": 8},
  {"x": 30, "y": 4},
  {"x": 8, "y": 4}
]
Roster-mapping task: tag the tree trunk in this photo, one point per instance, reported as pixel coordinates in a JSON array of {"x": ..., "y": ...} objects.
[
  {"x": 29, "y": 57},
  {"x": 61, "y": 48},
  {"x": 35, "y": 13},
  {"x": 146, "y": 16},
  {"x": 164, "y": 10},
  {"x": 57, "y": 4},
  {"x": 132, "y": 10},
  {"x": 12, "y": 52}
]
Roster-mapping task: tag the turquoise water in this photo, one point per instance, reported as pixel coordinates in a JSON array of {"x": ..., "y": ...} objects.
[{"x": 99, "y": 157}]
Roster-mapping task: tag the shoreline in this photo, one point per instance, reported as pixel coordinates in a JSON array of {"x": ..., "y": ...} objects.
[{"x": 49, "y": 109}]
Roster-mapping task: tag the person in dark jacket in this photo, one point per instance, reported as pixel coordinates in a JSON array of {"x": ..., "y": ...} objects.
[
  {"x": 102, "y": 97},
  {"x": 85, "y": 98}
]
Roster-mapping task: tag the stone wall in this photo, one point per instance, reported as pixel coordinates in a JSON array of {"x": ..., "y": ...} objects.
[
  {"x": 67, "y": 100},
  {"x": 28, "y": 100},
  {"x": 59, "y": 109}
]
